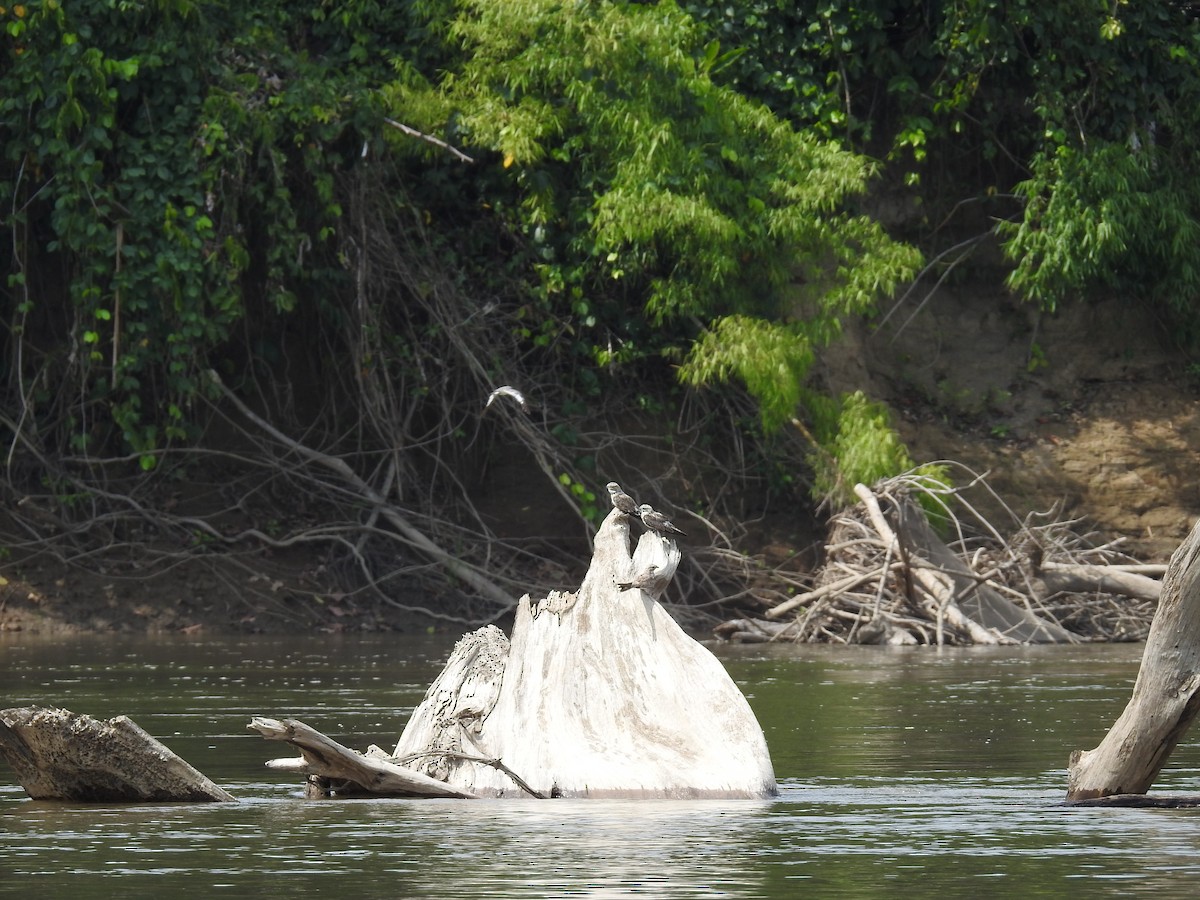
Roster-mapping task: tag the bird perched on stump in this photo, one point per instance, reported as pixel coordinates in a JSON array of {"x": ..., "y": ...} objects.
[
  {"x": 657, "y": 522},
  {"x": 642, "y": 581},
  {"x": 621, "y": 500}
]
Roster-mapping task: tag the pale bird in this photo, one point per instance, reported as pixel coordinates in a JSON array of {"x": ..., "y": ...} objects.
[{"x": 621, "y": 500}]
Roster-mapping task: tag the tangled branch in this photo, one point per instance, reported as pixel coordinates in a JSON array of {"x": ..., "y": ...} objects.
[{"x": 887, "y": 578}]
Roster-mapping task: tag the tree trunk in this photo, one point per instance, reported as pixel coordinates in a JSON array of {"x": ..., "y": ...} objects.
[
  {"x": 1166, "y": 695},
  {"x": 60, "y": 755},
  {"x": 599, "y": 694}
]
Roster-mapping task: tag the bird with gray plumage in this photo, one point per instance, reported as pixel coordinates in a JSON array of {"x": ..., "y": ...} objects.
[
  {"x": 642, "y": 581},
  {"x": 621, "y": 500},
  {"x": 657, "y": 522}
]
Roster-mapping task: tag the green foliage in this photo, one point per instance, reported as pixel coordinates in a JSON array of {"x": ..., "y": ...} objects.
[
  {"x": 820, "y": 64},
  {"x": 666, "y": 183},
  {"x": 1091, "y": 106},
  {"x": 639, "y": 176},
  {"x": 175, "y": 161},
  {"x": 586, "y": 499},
  {"x": 771, "y": 359},
  {"x": 1111, "y": 197},
  {"x": 1107, "y": 215},
  {"x": 856, "y": 443}
]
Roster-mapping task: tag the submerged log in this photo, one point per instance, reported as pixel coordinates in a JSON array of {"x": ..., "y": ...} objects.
[
  {"x": 1166, "y": 695},
  {"x": 599, "y": 694},
  {"x": 60, "y": 755}
]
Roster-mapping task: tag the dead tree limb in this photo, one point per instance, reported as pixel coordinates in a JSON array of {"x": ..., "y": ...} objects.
[
  {"x": 467, "y": 573},
  {"x": 1166, "y": 695},
  {"x": 323, "y": 757},
  {"x": 1077, "y": 579}
]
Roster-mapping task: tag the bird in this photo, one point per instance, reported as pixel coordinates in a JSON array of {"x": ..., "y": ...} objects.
[
  {"x": 656, "y": 521},
  {"x": 507, "y": 391},
  {"x": 621, "y": 500},
  {"x": 642, "y": 580}
]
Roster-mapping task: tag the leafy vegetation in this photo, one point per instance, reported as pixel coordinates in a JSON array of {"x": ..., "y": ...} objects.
[{"x": 638, "y": 198}]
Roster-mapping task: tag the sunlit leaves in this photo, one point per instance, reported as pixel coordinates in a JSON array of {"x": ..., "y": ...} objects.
[{"x": 1107, "y": 215}]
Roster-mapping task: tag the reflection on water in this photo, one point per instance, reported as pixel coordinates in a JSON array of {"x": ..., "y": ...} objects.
[{"x": 900, "y": 771}]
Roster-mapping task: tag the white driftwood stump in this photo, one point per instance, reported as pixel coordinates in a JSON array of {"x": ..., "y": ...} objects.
[
  {"x": 599, "y": 694},
  {"x": 1166, "y": 695}
]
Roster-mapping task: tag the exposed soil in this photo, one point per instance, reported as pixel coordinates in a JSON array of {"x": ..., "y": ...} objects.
[{"x": 1087, "y": 408}]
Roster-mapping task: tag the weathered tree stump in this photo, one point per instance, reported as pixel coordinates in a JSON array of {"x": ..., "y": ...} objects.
[
  {"x": 1166, "y": 695},
  {"x": 60, "y": 755},
  {"x": 599, "y": 694}
]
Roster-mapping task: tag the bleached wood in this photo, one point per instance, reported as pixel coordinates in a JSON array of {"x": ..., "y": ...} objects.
[
  {"x": 834, "y": 587},
  {"x": 1076, "y": 579},
  {"x": 953, "y": 593},
  {"x": 324, "y": 757},
  {"x": 1151, "y": 570},
  {"x": 60, "y": 755},
  {"x": 1166, "y": 695},
  {"x": 599, "y": 694}
]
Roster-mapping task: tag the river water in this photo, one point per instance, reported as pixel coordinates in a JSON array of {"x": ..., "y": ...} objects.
[{"x": 901, "y": 771}]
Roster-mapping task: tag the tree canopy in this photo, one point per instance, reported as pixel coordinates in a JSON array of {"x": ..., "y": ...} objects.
[{"x": 668, "y": 196}]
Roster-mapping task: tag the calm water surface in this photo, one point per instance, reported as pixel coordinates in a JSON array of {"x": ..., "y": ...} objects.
[{"x": 902, "y": 772}]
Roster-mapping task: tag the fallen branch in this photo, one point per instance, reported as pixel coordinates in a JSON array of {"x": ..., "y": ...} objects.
[
  {"x": 834, "y": 587},
  {"x": 324, "y": 757},
  {"x": 1074, "y": 579},
  {"x": 496, "y": 764}
]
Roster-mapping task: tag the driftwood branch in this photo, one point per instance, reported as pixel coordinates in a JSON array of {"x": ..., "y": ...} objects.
[
  {"x": 833, "y": 587},
  {"x": 496, "y": 764},
  {"x": 1076, "y": 579},
  {"x": 324, "y": 757}
]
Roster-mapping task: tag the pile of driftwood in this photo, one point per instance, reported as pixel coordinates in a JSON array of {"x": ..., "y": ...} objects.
[{"x": 892, "y": 577}]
